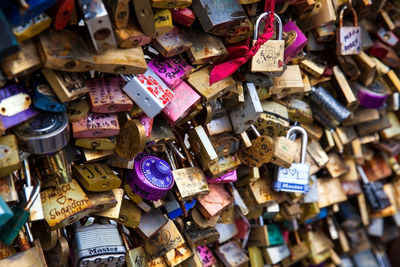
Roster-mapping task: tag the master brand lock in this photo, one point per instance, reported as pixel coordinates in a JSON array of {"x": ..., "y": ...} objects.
[
  {"x": 348, "y": 38},
  {"x": 269, "y": 58},
  {"x": 98, "y": 244},
  {"x": 295, "y": 179}
]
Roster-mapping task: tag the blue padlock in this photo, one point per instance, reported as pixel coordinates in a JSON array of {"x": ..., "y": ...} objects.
[
  {"x": 44, "y": 97},
  {"x": 8, "y": 44},
  {"x": 19, "y": 12},
  {"x": 5, "y": 212}
]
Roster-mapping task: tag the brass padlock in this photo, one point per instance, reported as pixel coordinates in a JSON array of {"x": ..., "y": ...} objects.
[
  {"x": 96, "y": 177},
  {"x": 274, "y": 120},
  {"x": 269, "y": 58},
  {"x": 201, "y": 145},
  {"x": 10, "y": 160}
]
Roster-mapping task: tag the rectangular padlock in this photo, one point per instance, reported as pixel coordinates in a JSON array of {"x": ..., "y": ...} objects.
[
  {"x": 200, "y": 82},
  {"x": 23, "y": 62},
  {"x": 10, "y": 160},
  {"x": 114, "y": 212},
  {"x": 67, "y": 86},
  {"x": 64, "y": 204},
  {"x": 232, "y": 255},
  {"x": 32, "y": 28},
  {"x": 118, "y": 12},
  {"x": 172, "y": 43},
  {"x": 96, "y": 177},
  {"x": 201, "y": 145},
  {"x": 274, "y": 120},
  {"x": 183, "y": 16},
  {"x": 96, "y": 125},
  {"x": 131, "y": 36},
  {"x": 206, "y": 48},
  {"x": 248, "y": 112},
  {"x": 290, "y": 82},
  {"x": 64, "y": 50},
  {"x": 102, "y": 201},
  {"x": 225, "y": 144},
  {"x": 218, "y": 17},
  {"x": 172, "y": 70},
  {"x": 190, "y": 182},
  {"x": 216, "y": 201},
  {"x": 177, "y": 255},
  {"x": 222, "y": 166},
  {"x": 120, "y": 61},
  {"x": 106, "y": 95},
  {"x": 145, "y": 17},
  {"x": 162, "y": 21},
  {"x": 130, "y": 214},
  {"x": 98, "y": 23},
  {"x": 149, "y": 92},
  {"x": 96, "y": 143},
  {"x": 15, "y": 105},
  {"x": 323, "y": 13},
  {"x": 348, "y": 38}
]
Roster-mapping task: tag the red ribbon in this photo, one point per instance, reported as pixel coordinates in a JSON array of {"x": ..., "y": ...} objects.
[{"x": 242, "y": 55}]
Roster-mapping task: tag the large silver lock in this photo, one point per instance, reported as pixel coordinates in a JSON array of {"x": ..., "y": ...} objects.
[
  {"x": 245, "y": 114},
  {"x": 98, "y": 245},
  {"x": 295, "y": 178},
  {"x": 270, "y": 57}
]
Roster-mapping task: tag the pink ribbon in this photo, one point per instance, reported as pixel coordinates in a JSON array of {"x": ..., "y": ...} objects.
[{"x": 242, "y": 55}]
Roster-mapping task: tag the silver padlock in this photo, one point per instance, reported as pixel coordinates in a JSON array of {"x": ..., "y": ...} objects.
[
  {"x": 248, "y": 112},
  {"x": 270, "y": 57},
  {"x": 98, "y": 23},
  {"x": 148, "y": 91},
  {"x": 98, "y": 245},
  {"x": 295, "y": 179}
]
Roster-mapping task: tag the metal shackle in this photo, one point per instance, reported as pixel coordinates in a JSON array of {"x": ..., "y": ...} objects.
[
  {"x": 277, "y": 18},
  {"x": 355, "y": 18},
  {"x": 304, "y": 140}
]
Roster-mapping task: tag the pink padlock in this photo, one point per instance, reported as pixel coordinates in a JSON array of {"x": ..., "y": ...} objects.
[
  {"x": 226, "y": 178},
  {"x": 172, "y": 70},
  {"x": 147, "y": 123},
  {"x": 184, "y": 98},
  {"x": 297, "y": 40},
  {"x": 206, "y": 256}
]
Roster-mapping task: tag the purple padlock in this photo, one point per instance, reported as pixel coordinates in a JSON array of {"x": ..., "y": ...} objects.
[
  {"x": 15, "y": 105},
  {"x": 298, "y": 43},
  {"x": 226, "y": 178},
  {"x": 172, "y": 70},
  {"x": 373, "y": 96},
  {"x": 151, "y": 178}
]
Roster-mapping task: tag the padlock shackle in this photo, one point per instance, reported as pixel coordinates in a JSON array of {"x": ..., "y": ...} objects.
[
  {"x": 355, "y": 18},
  {"x": 304, "y": 140},
  {"x": 277, "y": 18}
]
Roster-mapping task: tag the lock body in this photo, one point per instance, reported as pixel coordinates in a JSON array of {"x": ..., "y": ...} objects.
[
  {"x": 45, "y": 99},
  {"x": 172, "y": 43},
  {"x": 96, "y": 125},
  {"x": 32, "y": 28},
  {"x": 96, "y": 177}
]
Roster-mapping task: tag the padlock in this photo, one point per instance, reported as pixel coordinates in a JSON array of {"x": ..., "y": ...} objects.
[
  {"x": 330, "y": 191},
  {"x": 170, "y": 4},
  {"x": 313, "y": 65},
  {"x": 131, "y": 138},
  {"x": 348, "y": 38},
  {"x": 201, "y": 145},
  {"x": 131, "y": 36},
  {"x": 89, "y": 249},
  {"x": 65, "y": 51},
  {"x": 200, "y": 237},
  {"x": 43, "y": 134},
  {"x": 172, "y": 43},
  {"x": 225, "y": 144},
  {"x": 259, "y": 234},
  {"x": 34, "y": 8},
  {"x": 64, "y": 204},
  {"x": 164, "y": 240},
  {"x": 10, "y": 160},
  {"x": 206, "y": 256},
  {"x": 367, "y": 67},
  {"x": 222, "y": 166},
  {"x": 241, "y": 32},
  {"x": 218, "y": 17},
  {"x": 20, "y": 216},
  {"x": 96, "y": 177},
  {"x": 67, "y": 86},
  {"x": 284, "y": 152},
  {"x": 299, "y": 41},
  {"x": 96, "y": 143},
  {"x": 32, "y": 28},
  {"x": 206, "y": 48},
  {"x": 345, "y": 89},
  {"x": 102, "y": 201},
  {"x": 145, "y": 17},
  {"x": 114, "y": 212},
  {"x": 180, "y": 105},
  {"x": 244, "y": 115},
  {"x": 162, "y": 21},
  {"x": 119, "y": 12},
  {"x": 98, "y": 23},
  {"x": 172, "y": 70},
  {"x": 322, "y": 14},
  {"x": 23, "y": 62},
  {"x": 349, "y": 66},
  {"x": 220, "y": 124},
  {"x": 215, "y": 202},
  {"x": 130, "y": 214},
  {"x": 232, "y": 255},
  {"x": 295, "y": 178},
  {"x": 61, "y": 13},
  {"x": 6, "y": 213},
  {"x": 177, "y": 255},
  {"x": 91, "y": 155},
  {"x": 15, "y": 105},
  {"x": 151, "y": 222},
  {"x": 183, "y": 16},
  {"x": 148, "y": 91},
  {"x": 134, "y": 257},
  {"x": 7, "y": 189},
  {"x": 96, "y": 125},
  {"x": 298, "y": 110},
  {"x": 106, "y": 96},
  {"x": 152, "y": 177},
  {"x": 270, "y": 57},
  {"x": 260, "y": 152},
  {"x": 190, "y": 181},
  {"x": 290, "y": 82},
  {"x": 44, "y": 98}
]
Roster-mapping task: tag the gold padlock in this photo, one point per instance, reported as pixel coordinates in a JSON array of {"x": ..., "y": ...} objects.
[{"x": 97, "y": 177}]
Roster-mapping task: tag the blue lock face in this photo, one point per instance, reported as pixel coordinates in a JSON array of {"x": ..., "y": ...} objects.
[
  {"x": 45, "y": 99},
  {"x": 16, "y": 15}
]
